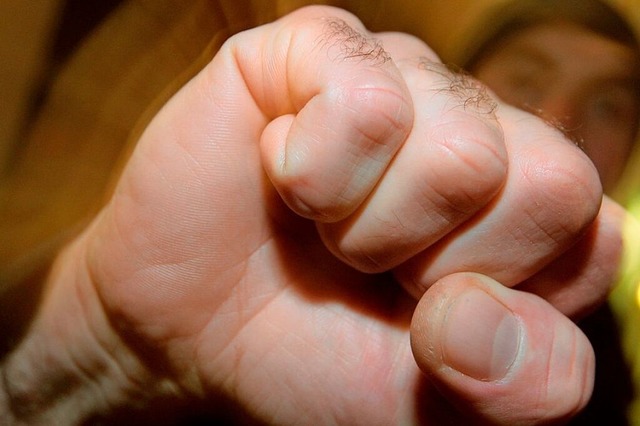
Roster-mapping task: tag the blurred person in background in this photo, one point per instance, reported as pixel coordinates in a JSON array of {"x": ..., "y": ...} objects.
[{"x": 576, "y": 64}]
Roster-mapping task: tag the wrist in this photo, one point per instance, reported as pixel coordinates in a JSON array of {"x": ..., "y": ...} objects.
[{"x": 72, "y": 366}]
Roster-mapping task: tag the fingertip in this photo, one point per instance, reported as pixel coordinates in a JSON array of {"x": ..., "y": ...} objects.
[
  {"x": 278, "y": 164},
  {"x": 273, "y": 145}
]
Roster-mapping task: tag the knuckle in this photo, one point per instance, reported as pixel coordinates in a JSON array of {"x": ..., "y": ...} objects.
[
  {"x": 338, "y": 34},
  {"x": 564, "y": 189},
  {"x": 379, "y": 111},
  {"x": 471, "y": 162},
  {"x": 352, "y": 44}
]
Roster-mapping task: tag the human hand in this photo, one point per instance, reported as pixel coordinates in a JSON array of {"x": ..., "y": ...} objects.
[{"x": 388, "y": 166}]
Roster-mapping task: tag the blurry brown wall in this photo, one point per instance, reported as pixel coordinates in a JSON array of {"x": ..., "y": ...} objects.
[{"x": 25, "y": 36}]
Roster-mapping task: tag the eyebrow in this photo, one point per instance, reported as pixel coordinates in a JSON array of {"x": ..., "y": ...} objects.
[
  {"x": 528, "y": 52},
  {"x": 627, "y": 76}
]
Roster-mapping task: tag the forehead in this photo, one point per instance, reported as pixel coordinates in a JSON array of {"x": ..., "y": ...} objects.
[{"x": 572, "y": 46}]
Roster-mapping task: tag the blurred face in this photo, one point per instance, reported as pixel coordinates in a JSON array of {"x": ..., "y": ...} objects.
[{"x": 586, "y": 83}]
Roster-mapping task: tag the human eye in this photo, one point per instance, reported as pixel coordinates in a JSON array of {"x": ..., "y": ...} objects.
[
  {"x": 614, "y": 105},
  {"x": 605, "y": 108}
]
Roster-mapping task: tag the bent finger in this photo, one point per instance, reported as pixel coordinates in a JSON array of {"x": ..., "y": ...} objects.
[
  {"x": 551, "y": 196},
  {"x": 337, "y": 105},
  {"x": 452, "y": 165},
  {"x": 580, "y": 280}
]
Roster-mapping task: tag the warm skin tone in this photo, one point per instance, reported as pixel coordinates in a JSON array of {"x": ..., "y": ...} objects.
[
  {"x": 585, "y": 82},
  {"x": 197, "y": 282}
]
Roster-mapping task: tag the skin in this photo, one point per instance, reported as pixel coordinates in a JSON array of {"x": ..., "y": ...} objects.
[
  {"x": 247, "y": 258},
  {"x": 585, "y": 82}
]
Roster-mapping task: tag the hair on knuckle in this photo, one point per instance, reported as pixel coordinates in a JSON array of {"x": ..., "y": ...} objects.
[
  {"x": 467, "y": 90},
  {"x": 351, "y": 43}
]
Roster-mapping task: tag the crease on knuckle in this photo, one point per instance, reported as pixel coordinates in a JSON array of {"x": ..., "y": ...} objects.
[
  {"x": 565, "y": 198},
  {"x": 564, "y": 399},
  {"x": 379, "y": 113},
  {"x": 368, "y": 254},
  {"x": 471, "y": 160}
]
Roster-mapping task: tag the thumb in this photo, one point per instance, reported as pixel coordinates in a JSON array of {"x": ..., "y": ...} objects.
[{"x": 501, "y": 355}]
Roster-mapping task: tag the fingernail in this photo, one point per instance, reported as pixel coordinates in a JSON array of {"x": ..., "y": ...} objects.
[{"x": 481, "y": 336}]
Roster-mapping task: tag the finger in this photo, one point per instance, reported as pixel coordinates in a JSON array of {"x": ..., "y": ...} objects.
[
  {"x": 339, "y": 109},
  {"x": 453, "y": 163},
  {"x": 552, "y": 194},
  {"x": 581, "y": 279},
  {"x": 499, "y": 354}
]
